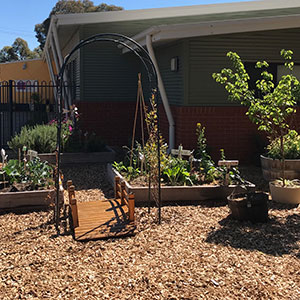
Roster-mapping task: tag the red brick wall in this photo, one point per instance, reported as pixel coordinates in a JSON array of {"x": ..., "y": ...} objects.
[
  {"x": 226, "y": 127},
  {"x": 113, "y": 121}
]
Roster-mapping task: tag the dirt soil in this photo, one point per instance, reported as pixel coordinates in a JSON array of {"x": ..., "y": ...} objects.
[
  {"x": 198, "y": 252},
  {"x": 20, "y": 187}
]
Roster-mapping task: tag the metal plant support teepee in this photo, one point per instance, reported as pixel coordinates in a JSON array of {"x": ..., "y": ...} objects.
[{"x": 142, "y": 54}]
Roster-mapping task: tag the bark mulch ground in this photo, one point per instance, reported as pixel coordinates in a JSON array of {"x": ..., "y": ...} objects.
[{"x": 198, "y": 252}]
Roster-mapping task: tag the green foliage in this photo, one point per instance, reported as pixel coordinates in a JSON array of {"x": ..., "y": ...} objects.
[
  {"x": 129, "y": 172},
  {"x": 271, "y": 111},
  {"x": 19, "y": 50},
  {"x": 69, "y": 7},
  {"x": 207, "y": 166},
  {"x": 37, "y": 173},
  {"x": 150, "y": 150},
  {"x": 276, "y": 103},
  {"x": 79, "y": 142},
  {"x": 95, "y": 143},
  {"x": 14, "y": 170},
  {"x": 291, "y": 146},
  {"x": 41, "y": 138},
  {"x": 177, "y": 172}
]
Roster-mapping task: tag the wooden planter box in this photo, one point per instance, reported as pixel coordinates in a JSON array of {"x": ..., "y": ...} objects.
[
  {"x": 271, "y": 168},
  {"x": 106, "y": 156},
  {"x": 179, "y": 193},
  {"x": 28, "y": 198}
]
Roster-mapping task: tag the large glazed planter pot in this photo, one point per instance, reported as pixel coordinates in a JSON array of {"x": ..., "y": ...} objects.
[
  {"x": 106, "y": 156},
  {"x": 287, "y": 195},
  {"x": 179, "y": 193},
  {"x": 271, "y": 168},
  {"x": 249, "y": 206},
  {"x": 28, "y": 198}
]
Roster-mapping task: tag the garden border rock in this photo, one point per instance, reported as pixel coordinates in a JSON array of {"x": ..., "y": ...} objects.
[{"x": 179, "y": 193}]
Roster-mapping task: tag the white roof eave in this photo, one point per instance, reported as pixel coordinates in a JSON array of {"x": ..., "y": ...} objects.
[
  {"x": 180, "y": 31},
  {"x": 173, "y": 12}
]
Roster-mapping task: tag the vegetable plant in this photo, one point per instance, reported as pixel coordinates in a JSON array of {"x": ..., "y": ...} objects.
[
  {"x": 36, "y": 173},
  {"x": 275, "y": 103},
  {"x": 177, "y": 173}
]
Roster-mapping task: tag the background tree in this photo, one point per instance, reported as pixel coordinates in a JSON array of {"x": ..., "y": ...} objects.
[
  {"x": 69, "y": 7},
  {"x": 19, "y": 50}
]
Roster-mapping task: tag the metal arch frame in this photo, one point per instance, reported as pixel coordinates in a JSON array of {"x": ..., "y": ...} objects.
[{"x": 146, "y": 60}]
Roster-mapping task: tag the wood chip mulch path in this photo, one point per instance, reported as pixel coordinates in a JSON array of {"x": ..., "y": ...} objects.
[{"x": 198, "y": 252}]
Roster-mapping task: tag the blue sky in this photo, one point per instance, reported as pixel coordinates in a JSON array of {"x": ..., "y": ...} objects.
[{"x": 18, "y": 17}]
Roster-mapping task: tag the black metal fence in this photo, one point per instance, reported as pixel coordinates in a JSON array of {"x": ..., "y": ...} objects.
[{"x": 24, "y": 103}]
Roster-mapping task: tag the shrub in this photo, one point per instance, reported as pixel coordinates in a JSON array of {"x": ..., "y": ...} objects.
[
  {"x": 41, "y": 138},
  {"x": 291, "y": 146}
]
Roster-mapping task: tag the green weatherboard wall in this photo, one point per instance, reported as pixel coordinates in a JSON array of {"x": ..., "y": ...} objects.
[
  {"x": 109, "y": 75},
  {"x": 207, "y": 55}
]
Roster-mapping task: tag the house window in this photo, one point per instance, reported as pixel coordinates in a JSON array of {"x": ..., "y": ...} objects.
[
  {"x": 282, "y": 70},
  {"x": 254, "y": 74}
]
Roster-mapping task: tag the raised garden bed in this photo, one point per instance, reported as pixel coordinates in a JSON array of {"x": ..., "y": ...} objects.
[
  {"x": 179, "y": 193},
  {"x": 106, "y": 156},
  {"x": 28, "y": 198}
]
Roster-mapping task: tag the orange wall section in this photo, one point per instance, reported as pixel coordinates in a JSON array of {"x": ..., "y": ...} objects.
[{"x": 35, "y": 69}]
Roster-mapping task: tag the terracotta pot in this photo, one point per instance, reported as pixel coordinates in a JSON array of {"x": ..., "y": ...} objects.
[
  {"x": 249, "y": 206},
  {"x": 289, "y": 195}
]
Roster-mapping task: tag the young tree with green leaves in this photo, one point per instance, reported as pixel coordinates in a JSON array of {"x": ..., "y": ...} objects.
[{"x": 274, "y": 105}]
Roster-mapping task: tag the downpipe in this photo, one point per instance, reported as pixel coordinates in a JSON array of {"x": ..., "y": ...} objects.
[{"x": 163, "y": 94}]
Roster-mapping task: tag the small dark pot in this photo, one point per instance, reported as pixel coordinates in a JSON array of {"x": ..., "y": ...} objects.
[{"x": 250, "y": 206}]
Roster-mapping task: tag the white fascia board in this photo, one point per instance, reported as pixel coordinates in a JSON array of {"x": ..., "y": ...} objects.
[
  {"x": 48, "y": 39},
  {"x": 180, "y": 31},
  {"x": 173, "y": 12}
]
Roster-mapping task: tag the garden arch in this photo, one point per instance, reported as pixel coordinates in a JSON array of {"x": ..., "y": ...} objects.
[{"x": 144, "y": 57}]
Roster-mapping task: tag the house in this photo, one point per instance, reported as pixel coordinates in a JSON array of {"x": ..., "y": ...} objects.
[
  {"x": 187, "y": 45},
  {"x": 25, "y": 87},
  {"x": 29, "y": 69}
]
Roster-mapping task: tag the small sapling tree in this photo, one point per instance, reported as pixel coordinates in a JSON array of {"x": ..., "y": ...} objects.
[{"x": 275, "y": 103}]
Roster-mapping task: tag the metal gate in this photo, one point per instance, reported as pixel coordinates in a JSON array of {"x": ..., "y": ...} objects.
[{"x": 24, "y": 103}]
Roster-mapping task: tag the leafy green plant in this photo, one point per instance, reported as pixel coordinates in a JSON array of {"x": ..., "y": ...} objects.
[
  {"x": 129, "y": 172},
  {"x": 14, "y": 171},
  {"x": 176, "y": 172},
  {"x": 271, "y": 110},
  {"x": 291, "y": 146},
  {"x": 36, "y": 173}
]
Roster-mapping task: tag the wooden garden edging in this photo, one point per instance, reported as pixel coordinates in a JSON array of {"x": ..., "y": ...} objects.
[
  {"x": 72, "y": 203},
  {"x": 126, "y": 199}
]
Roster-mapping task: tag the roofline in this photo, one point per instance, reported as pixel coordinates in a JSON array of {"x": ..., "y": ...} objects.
[
  {"x": 179, "y": 31},
  {"x": 171, "y": 12},
  {"x": 21, "y": 61}
]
